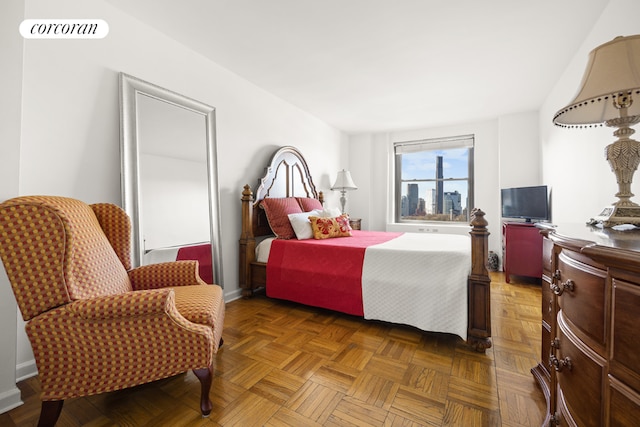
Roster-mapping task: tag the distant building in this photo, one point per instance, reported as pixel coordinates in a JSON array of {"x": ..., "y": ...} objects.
[
  {"x": 404, "y": 206},
  {"x": 412, "y": 194},
  {"x": 420, "y": 211},
  {"x": 452, "y": 203},
  {"x": 430, "y": 202},
  {"x": 439, "y": 186}
]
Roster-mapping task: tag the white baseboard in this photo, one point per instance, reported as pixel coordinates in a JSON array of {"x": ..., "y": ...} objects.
[
  {"x": 232, "y": 296},
  {"x": 10, "y": 399},
  {"x": 26, "y": 370}
]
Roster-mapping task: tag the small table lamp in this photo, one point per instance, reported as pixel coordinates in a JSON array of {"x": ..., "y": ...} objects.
[
  {"x": 610, "y": 81},
  {"x": 343, "y": 183}
]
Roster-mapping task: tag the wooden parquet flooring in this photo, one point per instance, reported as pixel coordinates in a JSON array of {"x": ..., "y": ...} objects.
[{"x": 284, "y": 364}]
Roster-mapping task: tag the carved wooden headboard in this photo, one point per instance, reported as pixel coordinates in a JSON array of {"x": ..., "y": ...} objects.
[{"x": 286, "y": 176}]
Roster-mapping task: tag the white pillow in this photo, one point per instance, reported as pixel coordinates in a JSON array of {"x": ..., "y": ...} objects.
[
  {"x": 330, "y": 212},
  {"x": 301, "y": 224}
]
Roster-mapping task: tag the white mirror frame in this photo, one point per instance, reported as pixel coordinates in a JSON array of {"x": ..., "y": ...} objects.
[{"x": 130, "y": 88}]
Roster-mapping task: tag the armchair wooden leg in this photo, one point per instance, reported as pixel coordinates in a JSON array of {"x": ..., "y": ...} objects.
[
  {"x": 205, "y": 375},
  {"x": 50, "y": 412}
]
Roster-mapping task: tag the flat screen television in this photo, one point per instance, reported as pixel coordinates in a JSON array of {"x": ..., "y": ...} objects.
[{"x": 528, "y": 203}]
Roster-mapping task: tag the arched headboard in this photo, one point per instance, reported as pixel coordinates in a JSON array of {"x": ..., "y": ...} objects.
[{"x": 286, "y": 176}]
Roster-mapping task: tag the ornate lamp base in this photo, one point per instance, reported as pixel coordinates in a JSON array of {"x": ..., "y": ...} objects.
[{"x": 616, "y": 215}]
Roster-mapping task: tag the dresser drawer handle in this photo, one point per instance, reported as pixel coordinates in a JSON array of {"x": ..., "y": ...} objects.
[
  {"x": 560, "y": 364},
  {"x": 559, "y": 289}
]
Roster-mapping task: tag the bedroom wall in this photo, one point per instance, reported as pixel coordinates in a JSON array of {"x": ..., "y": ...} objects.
[
  {"x": 69, "y": 130},
  {"x": 573, "y": 159},
  {"x": 11, "y": 45},
  {"x": 519, "y": 150}
]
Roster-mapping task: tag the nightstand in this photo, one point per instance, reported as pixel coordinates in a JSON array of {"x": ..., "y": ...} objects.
[{"x": 355, "y": 223}]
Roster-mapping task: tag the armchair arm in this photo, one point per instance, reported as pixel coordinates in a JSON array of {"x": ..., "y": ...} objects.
[
  {"x": 165, "y": 275},
  {"x": 130, "y": 304}
]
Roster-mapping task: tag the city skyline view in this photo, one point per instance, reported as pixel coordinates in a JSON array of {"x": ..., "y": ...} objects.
[{"x": 420, "y": 169}]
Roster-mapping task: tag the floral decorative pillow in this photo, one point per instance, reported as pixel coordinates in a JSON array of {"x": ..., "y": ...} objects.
[
  {"x": 326, "y": 228},
  {"x": 277, "y": 210}
]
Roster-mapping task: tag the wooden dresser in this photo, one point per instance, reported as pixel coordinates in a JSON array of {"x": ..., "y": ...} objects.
[{"x": 590, "y": 359}]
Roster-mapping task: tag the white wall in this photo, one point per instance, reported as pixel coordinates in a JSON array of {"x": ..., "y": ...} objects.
[
  {"x": 519, "y": 152},
  {"x": 573, "y": 159},
  {"x": 369, "y": 201},
  {"x": 511, "y": 140},
  {"x": 10, "y": 87},
  {"x": 69, "y": 136}
]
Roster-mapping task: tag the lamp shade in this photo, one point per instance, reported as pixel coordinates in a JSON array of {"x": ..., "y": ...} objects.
[
  {"x": 344, "y": 181},
  {"x": 613, "y": 71}
]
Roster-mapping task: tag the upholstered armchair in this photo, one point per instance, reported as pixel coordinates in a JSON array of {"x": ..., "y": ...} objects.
[{"x": 95, "y": 324}]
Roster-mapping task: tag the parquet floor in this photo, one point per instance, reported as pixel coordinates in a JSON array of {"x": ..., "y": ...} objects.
[{"x": 288, "y": 365}]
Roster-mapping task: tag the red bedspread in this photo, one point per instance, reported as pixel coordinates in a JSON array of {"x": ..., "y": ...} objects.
[
  {"x": 201, "y": 253},
  {"x": 322, "y": 273}
]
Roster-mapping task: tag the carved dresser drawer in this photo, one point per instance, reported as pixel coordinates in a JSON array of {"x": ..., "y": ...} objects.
[
  {"x": 625, "y": 322},
  {"x": 624, "y": 409},
  {"x": 547, "y": 257},
  {"x": 581, "y": 296},
  {"x": 624, "y": 364},
  {"x": 548, "y": 311},
  {"x": 579, "y": 372},
  {"x": 542, "y": 372}
]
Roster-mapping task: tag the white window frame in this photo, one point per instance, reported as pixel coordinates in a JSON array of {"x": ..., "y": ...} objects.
[{"x": 454, "y": 142}]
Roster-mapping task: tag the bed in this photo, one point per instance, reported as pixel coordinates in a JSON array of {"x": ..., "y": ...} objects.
[{"x": 437, "y": 283}]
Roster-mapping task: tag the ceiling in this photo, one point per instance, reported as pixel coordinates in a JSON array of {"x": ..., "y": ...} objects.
[{"x": 383, "y": 65}]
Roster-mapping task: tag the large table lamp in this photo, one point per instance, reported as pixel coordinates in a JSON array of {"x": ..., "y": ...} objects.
[
  {"x": 610, "y": 82},
  {"x": 343, "y": 184}
]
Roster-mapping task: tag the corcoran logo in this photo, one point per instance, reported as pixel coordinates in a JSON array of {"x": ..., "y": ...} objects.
[{"x": 64, "y": 28}]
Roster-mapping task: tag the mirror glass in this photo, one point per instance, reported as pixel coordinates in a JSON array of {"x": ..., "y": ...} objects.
[{"x": 169, "y": 176}]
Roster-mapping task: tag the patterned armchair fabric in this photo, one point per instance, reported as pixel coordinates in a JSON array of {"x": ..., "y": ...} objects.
[{"x": 95, "y": 324}]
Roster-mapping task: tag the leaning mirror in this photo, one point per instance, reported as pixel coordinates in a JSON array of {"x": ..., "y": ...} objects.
[{"x": 169, "y": 177}]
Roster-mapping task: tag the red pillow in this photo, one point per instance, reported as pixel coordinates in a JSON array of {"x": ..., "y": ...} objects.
[
  {"x": 277, "y": 210},
  {"x": 309, "y": 204}
]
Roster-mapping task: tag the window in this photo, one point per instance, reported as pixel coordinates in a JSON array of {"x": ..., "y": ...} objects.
[{"x": 434, "y": 179}]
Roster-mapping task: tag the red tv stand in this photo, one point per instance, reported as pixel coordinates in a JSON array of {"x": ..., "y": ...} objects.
[{"x": 522, "y": 250}]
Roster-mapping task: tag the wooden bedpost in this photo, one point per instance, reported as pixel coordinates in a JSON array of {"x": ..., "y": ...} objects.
[
  {"x": 247, "y": 243},
  {"x": 479, "y": 285}
]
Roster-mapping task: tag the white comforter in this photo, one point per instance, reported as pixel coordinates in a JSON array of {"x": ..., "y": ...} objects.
[{"x": 419, "y": 280}]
